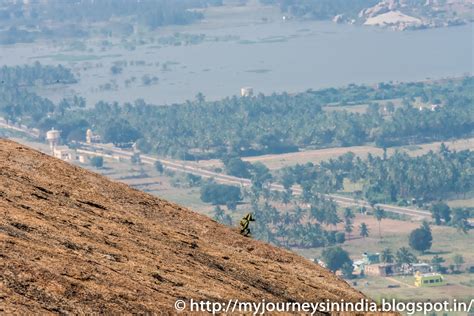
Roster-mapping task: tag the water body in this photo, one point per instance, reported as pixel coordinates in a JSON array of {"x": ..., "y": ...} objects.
[{"x": 270, "y": 57}]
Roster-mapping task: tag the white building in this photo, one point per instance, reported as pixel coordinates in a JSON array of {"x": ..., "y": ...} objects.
[
  {"x": 64, "y": 153},
  {"x": 91, "y": 137},
  {"x": 246, "y": 92}
]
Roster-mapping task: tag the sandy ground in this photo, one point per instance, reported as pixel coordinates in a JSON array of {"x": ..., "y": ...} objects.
[{"x": 315, "y": 156}]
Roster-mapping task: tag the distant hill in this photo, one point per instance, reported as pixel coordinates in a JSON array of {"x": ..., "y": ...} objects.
[
  {"x": 72, "y": 241},
  {"x": 397, "y": 14}
]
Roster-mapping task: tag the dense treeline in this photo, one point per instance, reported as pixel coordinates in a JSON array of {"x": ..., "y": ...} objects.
[
  {"x": 282, "y": 123},
  {"x": 396, "y": 178},
  {"x": 152, "y": 13},
  {"x": 17, "y": 103},
  {"x": 19, "y": 19},
  {"x": 458, "y": 217},
  {"x": 29, "y": 75},
  {"x": 409, "y": 124},
  {"x": 258, "y": 125},
  {"x": 220, "y": 194},
  {"x": 297, "y": 227}
]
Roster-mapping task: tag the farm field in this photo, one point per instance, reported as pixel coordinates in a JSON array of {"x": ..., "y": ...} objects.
[
  {"x": 395, "y": 235},
  {"x": 446, "y": 243},
  {"x": 377, "y": 288},
  {"x": 274, "y": 162}
]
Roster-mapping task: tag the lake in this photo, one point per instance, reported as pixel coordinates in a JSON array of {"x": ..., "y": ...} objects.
[{"x": 269, "y": 55}]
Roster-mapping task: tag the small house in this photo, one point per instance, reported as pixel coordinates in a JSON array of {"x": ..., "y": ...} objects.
[
  {"x": 358, "y": 264},
  {"x": 383, "y": 269},
  {"x": 64, "y": 153},
  {"x": 421, "y": 268},
  {"x": 83, "y": 158},
  {"x": 371, "y": 258},
  {"x": 246, "y": 92}
]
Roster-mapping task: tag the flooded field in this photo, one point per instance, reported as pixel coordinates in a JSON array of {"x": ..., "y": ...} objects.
[{"x": 218, "y": 56}]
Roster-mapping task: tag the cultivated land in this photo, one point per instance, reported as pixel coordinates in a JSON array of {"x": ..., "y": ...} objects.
[
  {"x": 72, "y": 241},
  {"x": 278, "y": 161}
]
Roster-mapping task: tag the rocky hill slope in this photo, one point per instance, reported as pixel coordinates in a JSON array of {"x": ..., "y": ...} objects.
[{"x": 72, "y": 241}]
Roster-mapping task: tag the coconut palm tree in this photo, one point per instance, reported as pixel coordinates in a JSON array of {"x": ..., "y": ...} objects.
[
  {"x": 387, "y": 256},
  {"x": 379, "y": 214}
]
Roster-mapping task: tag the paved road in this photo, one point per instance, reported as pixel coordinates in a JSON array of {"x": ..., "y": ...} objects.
[
  {"x": 188, "y": 167},
  {"x": 22, "y": 128}
]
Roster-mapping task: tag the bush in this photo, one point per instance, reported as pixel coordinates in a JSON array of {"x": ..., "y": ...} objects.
[
  {"x": 347, "y": 269},
  {"x": 335, "y": 258},
  {"x": 340, "y": 237},
  {"x": 159, "y": 167},
  {"x": 97, "y": 162},
  {"x": 237, "y": 167},
  {"x": 220, "y": 194}
]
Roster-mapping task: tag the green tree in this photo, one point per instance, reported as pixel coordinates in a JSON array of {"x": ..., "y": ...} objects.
[
  {"x": 340, "y": 237},
  {"x": 159, "y": 167},
  {"x": 404, "y": 255},
  {"x": 237, "y": 167},
  {"x": 436, "y": 261},
  {"x": 287, "y": 178},
  {"x": 193, "y": 180},
  {"x": 218, "y": 214},
  {"x": 286, "y": 196},
  {"x": 458, "y": 261},
  {"x": 260, "y": 175},
  {"x": 363, "y": 230},
  {"x": 347, "y": 269},
  {"x": 136, "y": 159},
  {"x": 421, "y": 238},
  {"x": 348, "y": 227},
  {"x": 227, "y": 220},
  {"x": 348, "y": 213},
  {"x": 460, "y": 220},
  {"x": 331, "y": 216},
  {"x": 387, "y": 256},
  {"x": 120, "y": 132},
  {"x": 220, "y": 194},
  {"x": 348, "y": 217},
  {"x": 379, "y": 214},
  {"x": 335, "y": 258},
  {"x": 390, "y": 107},
  {"x": 231, "y": 205},
  {"x": 97, "y": 161},
  {"x": 200, "y": 98},
  {"x": 440, "y": 211}
]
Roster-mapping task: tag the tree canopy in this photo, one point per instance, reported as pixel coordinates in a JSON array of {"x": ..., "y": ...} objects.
[
  {"x": 335, "y": 258},
  {"x": 220, "y": 194},
  {"x": 421, "y": 239}
]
